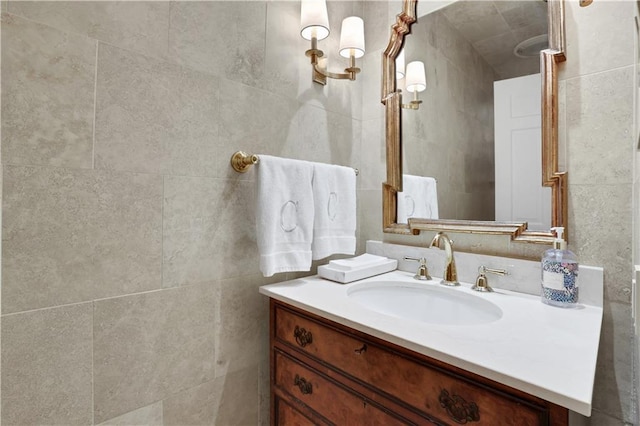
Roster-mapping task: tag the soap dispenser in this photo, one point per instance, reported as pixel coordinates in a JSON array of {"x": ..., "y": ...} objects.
[{"x": 559, "y": 274}]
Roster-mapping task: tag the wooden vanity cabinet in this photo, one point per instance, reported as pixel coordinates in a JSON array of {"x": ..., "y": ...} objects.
[{"x": 324, "y": 373}]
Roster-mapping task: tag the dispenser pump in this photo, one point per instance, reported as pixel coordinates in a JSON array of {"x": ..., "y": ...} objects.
[{"x": 559, "y": 242}]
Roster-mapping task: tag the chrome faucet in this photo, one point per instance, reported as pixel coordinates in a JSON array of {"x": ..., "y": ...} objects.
[{"x": 450, "y": 274}]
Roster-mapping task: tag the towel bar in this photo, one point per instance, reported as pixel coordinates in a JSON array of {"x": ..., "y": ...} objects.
[{"x": 241, "y": 162}]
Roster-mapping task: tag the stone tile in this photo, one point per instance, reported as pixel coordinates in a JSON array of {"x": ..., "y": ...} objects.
[
  {"x": 273, "y": 126},
  {"x": 72, "y": 236},
  {"x": 635, "y": 218},
  {"x": 287, "y": 69},
  {"x": 395, "y": 7},
  {"x": 329, "y": 137},
  {"x": 239, "y": 402},
  {"x": 597, "y": 418},
  {"x": 373, "y": 155},
  {"x": 195, "y": 406},
  {"x": 613, "y": 381},
  {"x": 476, "y": 20},
  {"x": 46, "y": 366},
  {"x": 371, "y": 80},
  {"x": 242, "y": 325},
  {"x": 227, "y": 400},
  {"x": 606, "y": 28},
  {"x": 370, "y": 217},
  {"x": 600, "y": 234},
  {"x": 222, "y": 38},
  {"x": 133, "y": 25},
  {"x": 150, "y": 415},
  {"x": 209, "y": 230},
  {"x": 377, "y": 27},
  {"x": 47, "y": 95},
  {"x": 151, "y": 345},
  {"x": 154, "y": 116},
  {"x": 599, "y": 122}
]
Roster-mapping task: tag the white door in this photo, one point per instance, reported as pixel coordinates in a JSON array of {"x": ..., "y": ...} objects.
[{"x": 520, "y": 196}]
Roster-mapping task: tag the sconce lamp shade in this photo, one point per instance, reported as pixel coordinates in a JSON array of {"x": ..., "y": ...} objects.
[
  {"x": 416, "y": 79},
  {"x": 352, "y": 37},
  {"x": 314, "y": 19},
  {"x": 400, "y": 65}
]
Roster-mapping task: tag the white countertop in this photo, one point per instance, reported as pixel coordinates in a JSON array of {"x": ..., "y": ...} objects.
[{"x": 545, "y": 351}]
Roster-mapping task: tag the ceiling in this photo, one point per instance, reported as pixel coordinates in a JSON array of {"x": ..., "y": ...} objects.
[{"x": 494, "y": 28}]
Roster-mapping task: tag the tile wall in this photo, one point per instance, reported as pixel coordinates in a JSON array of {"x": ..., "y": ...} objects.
[{"x": 129, "y": 262}]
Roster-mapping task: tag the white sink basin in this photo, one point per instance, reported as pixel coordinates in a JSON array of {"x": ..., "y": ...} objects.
[{"x": 425, "y": 303}]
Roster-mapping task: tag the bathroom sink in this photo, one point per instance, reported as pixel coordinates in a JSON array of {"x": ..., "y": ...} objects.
[{"x": 425, "y": 302}]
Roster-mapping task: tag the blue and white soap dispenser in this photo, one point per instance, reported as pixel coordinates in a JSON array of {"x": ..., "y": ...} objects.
[{"x": 559, "y": 274}]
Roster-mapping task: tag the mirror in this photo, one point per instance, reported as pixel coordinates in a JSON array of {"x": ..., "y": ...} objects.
[{"x": 450, "y": 137}]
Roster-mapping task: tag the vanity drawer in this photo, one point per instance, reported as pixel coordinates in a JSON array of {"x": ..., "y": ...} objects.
[
  {"x": 287, "y": 415},
  {"x": 448, "y": 394},
  {"x": 337, "y": 404}
]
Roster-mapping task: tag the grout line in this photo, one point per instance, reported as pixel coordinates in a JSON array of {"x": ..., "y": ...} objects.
[
  {"x": 130, "y": 172},
  {"x": 45, "y": 308},
  {"x": 93, "y": 363},
  {"x": 156, "y": 290},
  {"x": 170, "y": 8},
  {"x": 576, "y": 77},
  {"x": 162, "y": 231},
  {"x": 95, "y": 102},
  {"x": 2, "y": 180}
]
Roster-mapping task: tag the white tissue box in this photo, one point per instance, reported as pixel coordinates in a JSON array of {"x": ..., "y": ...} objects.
[{"x": 347, "y": 276}]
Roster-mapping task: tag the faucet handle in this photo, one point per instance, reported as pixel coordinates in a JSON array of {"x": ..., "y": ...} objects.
[
  {"x": 482, "y": 283},
  {"x": 423, "y": 272}
]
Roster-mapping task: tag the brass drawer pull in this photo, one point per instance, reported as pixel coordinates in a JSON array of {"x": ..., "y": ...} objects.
[
  {"x": 361, "y": 350},
  {"x": 303, "y": 337},
  {"x": 305, "y": 387},
  {"x": 458, "y": 409}
]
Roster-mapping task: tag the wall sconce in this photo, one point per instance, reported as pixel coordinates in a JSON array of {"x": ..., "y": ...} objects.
[
  {"x": 416, "y": 82},
  {"x": 315, "y": 26}
]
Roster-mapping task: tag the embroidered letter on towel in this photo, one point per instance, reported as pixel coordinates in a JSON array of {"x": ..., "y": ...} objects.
[
  {"x": 334, "y": 198},
  {"x": 284, "y": 217}
]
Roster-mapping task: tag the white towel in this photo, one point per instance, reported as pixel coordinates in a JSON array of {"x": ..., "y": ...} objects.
[
  {"x": 419, "y": 198},
  {"x": 284, "y": 218},
  {"x": 334, "y": 197}
]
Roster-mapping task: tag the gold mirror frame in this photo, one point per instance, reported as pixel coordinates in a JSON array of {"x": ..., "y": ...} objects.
[{"x": 551, "y": 176}]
